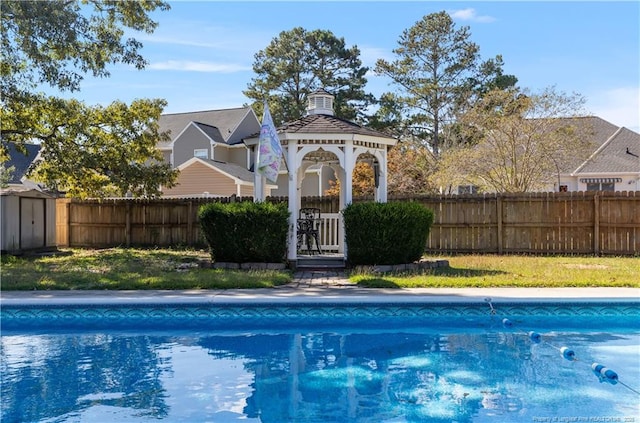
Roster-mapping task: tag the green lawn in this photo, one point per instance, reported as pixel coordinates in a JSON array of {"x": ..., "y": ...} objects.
[
  {"x": 119, "y": 268},
  {"x": 518, "y": 271}
]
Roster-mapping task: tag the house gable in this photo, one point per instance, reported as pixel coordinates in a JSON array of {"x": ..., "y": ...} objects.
[
  {"x": 247, "y": 126},
  {"x": 195, "y": 136}
]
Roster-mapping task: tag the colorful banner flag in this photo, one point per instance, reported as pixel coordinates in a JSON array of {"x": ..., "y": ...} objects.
[{"x": 269, "y": 148}]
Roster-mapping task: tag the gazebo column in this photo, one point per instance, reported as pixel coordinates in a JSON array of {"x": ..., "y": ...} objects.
[
  {"x": 341, "y": 175},
  {"x": 381, "y": 190},
  {"x": 349, "y": 164},
  {"x": 294, "y": 168}
]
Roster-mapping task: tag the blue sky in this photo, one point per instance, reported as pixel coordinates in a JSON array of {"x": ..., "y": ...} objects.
[{"x": 201, "y": 55}]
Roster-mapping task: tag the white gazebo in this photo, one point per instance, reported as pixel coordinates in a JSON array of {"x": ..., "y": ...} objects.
[{"x": 320, "y": 137}]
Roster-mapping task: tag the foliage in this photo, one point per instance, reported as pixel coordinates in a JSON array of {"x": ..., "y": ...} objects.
[
  {"x": 55, "y": 44},
  {"x": 99, "y": 151},
  {"x": 128, "y": 269},
  {"x": 410, "y": 167},
  {"x": 362, "y": 181},
  {"x": 6, "y": 173},
  {"x": 438, "y": 73},
  {"x": 246, "y": 231},
  {"x": 523, "y": 145},
  {"x": 409, "y": 170},
  {"x": 297, "y": 63},
  {"x": 386, "y": 233}
]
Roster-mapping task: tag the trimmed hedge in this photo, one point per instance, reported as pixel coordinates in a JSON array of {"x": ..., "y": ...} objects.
[
  {"x": 386, "y": 233},
  {"x": 245, "y": 232}
]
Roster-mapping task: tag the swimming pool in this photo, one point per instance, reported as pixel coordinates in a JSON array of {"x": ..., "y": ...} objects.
[{"x": 321, "y": 362}]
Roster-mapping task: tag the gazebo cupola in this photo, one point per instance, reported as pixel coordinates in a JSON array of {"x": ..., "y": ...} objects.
[{"x": 320, "y": 103}]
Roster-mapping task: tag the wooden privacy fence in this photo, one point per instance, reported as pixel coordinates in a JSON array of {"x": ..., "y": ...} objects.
[
  {"x": 544, "y": 223},
  {"x": 125, "y": 222}
]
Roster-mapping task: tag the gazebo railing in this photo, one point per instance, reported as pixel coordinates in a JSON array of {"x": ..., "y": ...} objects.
[{"x": 330, "y": 232}]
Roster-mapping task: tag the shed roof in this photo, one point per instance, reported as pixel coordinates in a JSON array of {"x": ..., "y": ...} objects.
[{"x": 25, "y": 191}]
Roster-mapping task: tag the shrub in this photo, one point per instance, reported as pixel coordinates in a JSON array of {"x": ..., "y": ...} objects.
[
  {"x": 386, "y": 233},
  {"x": 245, "y": 231}
]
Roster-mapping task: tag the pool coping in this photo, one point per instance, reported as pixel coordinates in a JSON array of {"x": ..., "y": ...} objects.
[{"x": 323, "y": 295}]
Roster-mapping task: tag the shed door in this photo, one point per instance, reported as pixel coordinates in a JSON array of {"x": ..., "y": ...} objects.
[{"x": 32, "y": 223}]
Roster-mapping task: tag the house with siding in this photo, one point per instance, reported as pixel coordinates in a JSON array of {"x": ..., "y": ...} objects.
[{"x": 207, "y": 148}]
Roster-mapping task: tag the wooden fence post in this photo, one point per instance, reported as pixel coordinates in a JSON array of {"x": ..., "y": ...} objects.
[
  {"x": 190, "y": 237},
  {"x": 499, "y": 221},
  {"x": 596, "y": 224},
  {"x": 69, "y": 224},
  {"x": 127, "y": 224}
]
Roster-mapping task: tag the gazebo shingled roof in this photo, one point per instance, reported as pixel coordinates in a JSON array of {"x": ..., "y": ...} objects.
[{"x": 327, "y": 124}]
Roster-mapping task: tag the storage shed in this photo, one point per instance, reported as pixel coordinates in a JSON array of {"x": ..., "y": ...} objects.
[{"x": 28, "y": 221}]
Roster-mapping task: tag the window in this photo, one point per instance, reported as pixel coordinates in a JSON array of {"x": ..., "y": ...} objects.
[
  {"x": 601, "y": 186},
  {"x": 201, "y": 153},
  {"x": 467, "y": 189}
]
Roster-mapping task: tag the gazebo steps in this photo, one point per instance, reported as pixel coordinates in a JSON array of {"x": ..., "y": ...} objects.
[{"x": 321, "y": 262}]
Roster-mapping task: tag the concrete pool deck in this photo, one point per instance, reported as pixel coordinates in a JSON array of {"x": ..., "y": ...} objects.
[{"x": 323, "y": 287}]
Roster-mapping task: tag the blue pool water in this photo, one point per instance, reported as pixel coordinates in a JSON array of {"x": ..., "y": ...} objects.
[{"x": 319, "y": 363}]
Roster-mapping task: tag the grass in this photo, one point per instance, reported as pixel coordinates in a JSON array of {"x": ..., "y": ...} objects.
[
  {"x": 517, "y": 271},
  {"x": 120, "y": 269}
]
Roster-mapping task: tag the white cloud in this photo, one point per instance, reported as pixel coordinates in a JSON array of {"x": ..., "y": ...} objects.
[
  {"x": 620, "y": 106},
  {"x": 198, "y": 66},
  {"x": 183, "y": 42},
  {"x": 470, "y": 15},
  {"x": 197, "y": 34}
]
